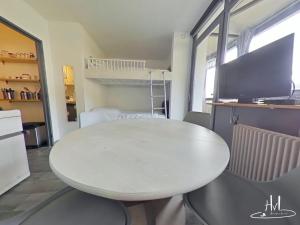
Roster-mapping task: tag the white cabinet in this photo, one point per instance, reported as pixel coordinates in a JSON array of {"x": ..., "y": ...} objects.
[
  {"x": 13, "y": 158},
  {"x": 10, "y": 125}
]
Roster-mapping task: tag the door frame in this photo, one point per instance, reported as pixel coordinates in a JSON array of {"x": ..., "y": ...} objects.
[{"x": 42, "y": 74}]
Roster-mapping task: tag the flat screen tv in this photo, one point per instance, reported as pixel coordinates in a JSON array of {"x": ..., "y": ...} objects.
[{"x": 263, "y": 73}]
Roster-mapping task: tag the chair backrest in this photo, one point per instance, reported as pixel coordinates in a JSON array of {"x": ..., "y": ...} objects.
[
  {"x": 289, "y": 184},
  {"x": 70, "y": 206},
  {"x": 199, "y": 118}
]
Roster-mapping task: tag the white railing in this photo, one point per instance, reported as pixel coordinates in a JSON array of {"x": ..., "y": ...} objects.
[{"x": 116, "y": 64}]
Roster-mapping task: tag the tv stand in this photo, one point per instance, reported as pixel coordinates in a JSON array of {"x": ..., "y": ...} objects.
[
  {"x": 282, "y": 101},
  {"x": 259, "y": 106}
]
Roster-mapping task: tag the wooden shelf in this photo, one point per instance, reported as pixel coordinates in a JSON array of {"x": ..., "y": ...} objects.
[
  {"x": 17, "y": 60},
  {"x": 19, "y": 80},
  {"x": 69, "y": 85},
  {"x": 19, "y": 100},
  {"x": 262, "y": 106}
]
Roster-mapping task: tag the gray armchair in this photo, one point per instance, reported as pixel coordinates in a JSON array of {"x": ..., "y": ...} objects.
[
  {"x": 199, "y": 118},
  {"x": 72, "y": 207},
  {"x": 231, "y": 200}
]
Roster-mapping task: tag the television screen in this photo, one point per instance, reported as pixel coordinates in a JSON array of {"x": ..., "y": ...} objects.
[{"x": 266, "y": 72}]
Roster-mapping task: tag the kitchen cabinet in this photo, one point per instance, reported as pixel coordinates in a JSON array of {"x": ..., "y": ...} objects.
[{"x": 13, "y": 157}]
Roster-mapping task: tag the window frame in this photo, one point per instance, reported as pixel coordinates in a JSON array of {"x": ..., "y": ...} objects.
[
  {"x": 276, "y": 18},
  {"x": 196, "y": 43},
  {"x": 206, "y": 72},
  {"x": 271, "y": 21},
  {"x": 223, "y": 20},
  {"x": 273, "y": 26}
]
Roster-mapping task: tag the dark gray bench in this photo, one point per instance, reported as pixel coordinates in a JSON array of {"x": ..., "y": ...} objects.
[
  {"x": 230, "y": 200},
  {"x": 72, "y": 207}
]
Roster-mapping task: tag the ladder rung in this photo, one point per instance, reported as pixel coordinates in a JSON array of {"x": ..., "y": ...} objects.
[
  {"x": 157, "y": 96},
  {"x": 158, "y": 108}
]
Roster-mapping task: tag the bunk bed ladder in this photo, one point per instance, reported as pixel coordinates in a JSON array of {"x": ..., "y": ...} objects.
[{"x": 153, "y": 97}]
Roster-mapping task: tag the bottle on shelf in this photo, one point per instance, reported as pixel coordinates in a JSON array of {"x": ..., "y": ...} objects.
[
  {"x": 8, "y": 93},
  {"x": 26, "y": 94},
  {"x": 23, "y": 95}
]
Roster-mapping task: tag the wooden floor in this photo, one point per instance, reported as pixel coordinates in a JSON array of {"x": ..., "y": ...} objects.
[{"x": 41, "y": 184}]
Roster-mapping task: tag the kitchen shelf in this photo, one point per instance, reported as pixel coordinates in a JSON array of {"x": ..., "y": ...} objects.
[
  {"x": 19, "y": 80},
  {"x": 20, "y": 100},
  {"x": 17, "y": 60}
]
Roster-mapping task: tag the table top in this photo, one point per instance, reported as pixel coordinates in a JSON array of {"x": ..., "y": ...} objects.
[{"x": 135, "y": 160}]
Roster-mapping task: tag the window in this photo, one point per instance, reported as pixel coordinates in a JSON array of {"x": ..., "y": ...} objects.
[
  {"x": 210, "y": 78},
  {"x": 206, "y": 36},
  {"x": 231, "y": 54},
  {"x": 277, "y": 31},
  {"x": 204, "y": 71}
]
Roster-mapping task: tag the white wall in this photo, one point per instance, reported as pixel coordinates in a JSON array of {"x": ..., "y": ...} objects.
[
  {"x": 70, "y": 46},
  {"x": 94, "y": 92},
  {"x": 66, "y": 50},
  {"x": 131, "y": 98},
  {"x": 181, "y": 59},
  {"x": 24, "y": 16}
]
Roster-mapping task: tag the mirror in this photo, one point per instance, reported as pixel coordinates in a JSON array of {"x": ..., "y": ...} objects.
[
  {"x": 70, "y": 95},
  {"x": 204, "y": 72}
]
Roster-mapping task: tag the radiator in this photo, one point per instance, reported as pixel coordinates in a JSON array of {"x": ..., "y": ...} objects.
[{"x": 262, "y": 155}]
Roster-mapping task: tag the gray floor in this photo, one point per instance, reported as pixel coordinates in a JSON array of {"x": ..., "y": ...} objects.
[{"x": 41, "y": 184}]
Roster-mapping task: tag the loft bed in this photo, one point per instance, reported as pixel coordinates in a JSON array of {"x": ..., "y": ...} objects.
[
  {"x": 130, "y": 73},
  {"x": 123, "y": 72}
]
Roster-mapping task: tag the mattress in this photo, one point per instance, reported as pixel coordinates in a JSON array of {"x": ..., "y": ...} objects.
[{"x": 98, "y": 115}]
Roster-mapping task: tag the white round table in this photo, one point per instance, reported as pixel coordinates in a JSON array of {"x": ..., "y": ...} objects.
[{"x": 137, "y": 160}]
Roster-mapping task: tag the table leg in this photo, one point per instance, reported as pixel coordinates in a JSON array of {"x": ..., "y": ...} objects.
[{"x": 168, "y": 211}]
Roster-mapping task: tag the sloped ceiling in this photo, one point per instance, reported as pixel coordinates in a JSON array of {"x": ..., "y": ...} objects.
[{"x": 128, "y": 28}]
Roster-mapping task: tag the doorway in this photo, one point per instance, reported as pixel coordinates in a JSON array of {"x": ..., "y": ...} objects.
[{"x": 23, "y": 83}]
